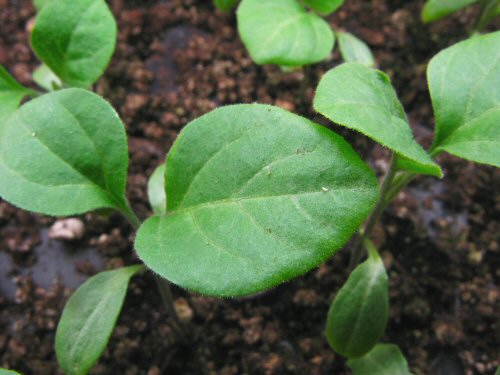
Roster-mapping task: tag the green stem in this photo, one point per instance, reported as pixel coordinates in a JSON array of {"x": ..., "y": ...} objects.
[
  {"x": 162, "y": 284},
  {"x": 357, "y": 251}
]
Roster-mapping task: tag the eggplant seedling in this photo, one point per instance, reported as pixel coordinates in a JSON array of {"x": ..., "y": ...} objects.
[{"x": 230, "y": 222}]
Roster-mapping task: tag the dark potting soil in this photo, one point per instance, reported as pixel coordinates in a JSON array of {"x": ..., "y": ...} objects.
[{"x": 179, "y": 59}]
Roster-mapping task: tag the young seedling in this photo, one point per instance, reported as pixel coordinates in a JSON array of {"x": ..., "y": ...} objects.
[
  {"x": 228, "y": 221},
  {"x": 435, "y": 10},
  {"x": 293, "y": 33}
]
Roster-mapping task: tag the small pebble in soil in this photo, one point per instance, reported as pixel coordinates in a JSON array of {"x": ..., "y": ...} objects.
[{"x": 71, "y": 229}]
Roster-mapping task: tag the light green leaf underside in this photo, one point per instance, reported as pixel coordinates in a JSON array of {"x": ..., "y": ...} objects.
[
  {"x": 64, "y": 153},
  {"x": 283, "y": 32},
  {"x": 383, "y": 359},
  {"x": 11, "y": 94},
  {"x": 363, "y": 99},
  {"x": 45, "y": 78},
  {"x": 225, "y": 5},
  {"x": 358, "y": 315},
  {"x": 255, "y": 196},
  {"x": 156, "y": 190},
  {"x": 464, "y": 81},
  {"x": 89, "y": 318},
  {"x": 435, "y": 10},
  {"x": 76, "y": 39},
  {"x": 324, "y": 6},
  {"x": 354, "y": 49}
]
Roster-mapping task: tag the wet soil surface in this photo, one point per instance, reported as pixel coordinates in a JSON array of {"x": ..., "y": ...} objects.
[{"x": 176, "y": 60}]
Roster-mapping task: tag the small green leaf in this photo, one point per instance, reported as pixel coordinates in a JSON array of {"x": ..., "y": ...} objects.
[
  {"x": 156, "y": 191},
  {"x": 383, "y": 359},
  {"x": 434, "y": 10},
  {"x": 76, "y": 39},
  {"x": 464, "y": 81},
  {"x": 283, "y": 32},
  {"x": 354, "y": 49},
  {"x": 64, "y": 153},
  {"x": 225, "y": 5},
  {"x": 358, "y": 315},
  {"x": 324, "y": 6},
  {"x": 363, "y": 99},
  {"x": 255, "y": 196},
  {"x": 11, "y": 94},
  {"x": 45, "y": 78},
  {"x": 89, "y": 318}
]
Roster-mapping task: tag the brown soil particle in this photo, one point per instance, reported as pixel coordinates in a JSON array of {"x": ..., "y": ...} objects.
[{"x": 178, "y": 59}]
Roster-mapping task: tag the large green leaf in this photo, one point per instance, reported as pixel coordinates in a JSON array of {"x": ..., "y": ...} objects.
[
  {"x": 89, "y": 318},
  {"x": 354, "y": 49},
  {"x": 255, "y": 196},
  {"x": 76, "y": 39},
  {"x": 363, "y": 99},
  {"x": 64, "y": 153},
  {"x": 324, "y": 6},
  {"x": 225, "y": 5},
  {"x": 283, "y": 32},
  {"x": 434, "y": 10},
  {"x": 464, "y": 81},
  {"x": 383, "y": 359},
  {"x": 11, "y": 94},
  {"x": 358, "y": 315},
  {"x": 156, "y": 190}
]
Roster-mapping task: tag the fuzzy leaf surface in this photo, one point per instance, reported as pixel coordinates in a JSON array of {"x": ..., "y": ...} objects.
[
  {"x": 464, "y": 81},
  {"x": 435, "y": 10},
  {"x": 11, "y": 94},
  {"x": 354, "y": 49},
  {"x": 383, "y": 359},
  {"x": 76, "y": 39},
  {"x": 283, "y": 32},
  {"x": 358, "y": 315},
  {"x": 363, "y": 99},
  {"x": 64, "y": 153},
  {"x": 255, "y": 196},
  {"x": 89, "y": 317},
  {"x": 324, "y": 6},
  {"x": 225, "y": 5},
  {"x": 156, "y": 190}
]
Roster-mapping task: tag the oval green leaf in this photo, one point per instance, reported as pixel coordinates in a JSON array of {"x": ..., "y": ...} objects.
[
  {"x": 45, "y": 78},
  {"x": 11, "y": 94},
  {"x": 464, "y": 81},
  {"x": 283, "y": 32},
  {"x": 324, "y": 6},
  {"x": 354, "y": 49},
  {"x": 225, "y": 5},
  {"x": 255, "y": 196},
  {"x": 363, "y": 99},
  {"x": 358, "y": 315},
  {"x": 156, "y": 191},
  {"x": 76, "y": 39},
  {"x": 64, "y": 153},
  {"x": 383, "y": 359},
  {"x": 435, "y": 10},
  {"x": 89, "y": 318}
]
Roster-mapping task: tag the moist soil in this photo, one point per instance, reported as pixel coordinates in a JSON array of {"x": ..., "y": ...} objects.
[{"x": 178, "y": 59}]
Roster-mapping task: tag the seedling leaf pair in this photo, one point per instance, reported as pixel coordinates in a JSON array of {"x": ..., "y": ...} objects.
[
  {"x": 255, "y": 196},
  {"x": 89, "y": 318},
  {"x": 363, "y": 99},
  {"x": 464, "y": 81},
  {"x": 359, "y": 313},
  {"x": 75, "y": 39},
  {"x": 64, "y": 153},
  {"x": 283, "y": 32}
]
